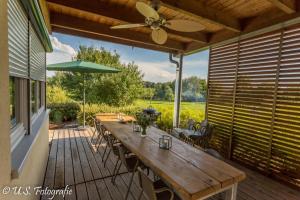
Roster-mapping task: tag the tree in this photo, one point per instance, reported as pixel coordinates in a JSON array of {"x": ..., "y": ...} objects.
[
  {"x": 169, "y": 95},
  {"x": 114, "y": 89}
]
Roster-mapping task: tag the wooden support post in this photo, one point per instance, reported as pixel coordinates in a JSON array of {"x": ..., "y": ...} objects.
[
  {"x": 233, "y": 101},
  {"x": 178, "y": 90},
  {"x": 207, "y": 89},
  {"x": 274, "y": 101}
]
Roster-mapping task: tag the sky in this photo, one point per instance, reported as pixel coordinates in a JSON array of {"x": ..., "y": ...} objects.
[{"x": 155, "y": 65}]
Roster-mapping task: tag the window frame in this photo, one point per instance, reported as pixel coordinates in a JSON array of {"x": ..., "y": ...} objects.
[{"x": 20, "y": 128}]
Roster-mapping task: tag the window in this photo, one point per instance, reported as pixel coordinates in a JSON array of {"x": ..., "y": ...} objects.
[
  {"x": 18, "y": 109},
  {"x": 40, "y": 94},
  {"x": 34, "y": 97},
  {"x": 12, "y": 104}
]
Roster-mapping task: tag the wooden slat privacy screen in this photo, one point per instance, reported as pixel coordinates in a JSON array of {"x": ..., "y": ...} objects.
[{"x": 254, "y": 102}]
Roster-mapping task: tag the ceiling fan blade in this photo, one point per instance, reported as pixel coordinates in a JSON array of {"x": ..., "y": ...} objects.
[
  {"x": 128, "y": 26},
  {"x": 184, "y": 25},
  {"x": 146, "y": 10},
  {"x": 159, "y": 36}
]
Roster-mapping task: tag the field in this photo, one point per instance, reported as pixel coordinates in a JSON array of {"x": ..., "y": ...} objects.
[{"x": 189, "y": 110}]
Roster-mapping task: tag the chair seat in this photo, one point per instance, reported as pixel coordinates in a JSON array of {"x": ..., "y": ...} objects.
[{"x": 163, "y": 195}]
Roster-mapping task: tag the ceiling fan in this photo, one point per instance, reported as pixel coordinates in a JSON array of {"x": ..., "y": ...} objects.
[{"x": 156, "y": 22}]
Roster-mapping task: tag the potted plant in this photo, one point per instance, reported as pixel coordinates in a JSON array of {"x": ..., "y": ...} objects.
[{"x": 144, "y": 120}]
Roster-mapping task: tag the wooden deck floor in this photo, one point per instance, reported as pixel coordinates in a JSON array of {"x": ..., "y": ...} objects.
[{"x": 73, "y": 161}]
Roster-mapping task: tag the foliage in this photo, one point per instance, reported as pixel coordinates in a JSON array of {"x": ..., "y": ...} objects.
[
  {"x": 147, "y": 93},
  {"x": 189, "y": 110},
  {"x": 63, "y": 111},
  {"x": 193, "y": 90},
  {"x": 56, "y": 94},
  {"x": 144, "y": 120},
  {"x": 117, "y": 89},
  {"x": 163, "y": 91}
]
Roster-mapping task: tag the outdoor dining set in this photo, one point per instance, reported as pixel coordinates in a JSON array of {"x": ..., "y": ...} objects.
[
  {"x": 154, "y": 189},
  {"x": 176, "y": 173}
]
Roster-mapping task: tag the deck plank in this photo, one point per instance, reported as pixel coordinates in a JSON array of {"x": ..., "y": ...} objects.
[
  {"x": 81, "y": 192},
  {"x": 78, "y": 153},
  {"x": 90, "y": 157},
  {"x": 78, "y": 174},
  {"x": 50, "y": 173},
  {"x": 87, "y": 172},
  {"x": 72, "y": 196},
  {"x": 60, "y": 161},
  {"x": 69, "y": 172},
  {"x": 92, "y": 190}
]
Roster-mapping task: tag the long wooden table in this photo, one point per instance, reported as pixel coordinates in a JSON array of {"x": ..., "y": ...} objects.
[{"x": 192, "y": 173}]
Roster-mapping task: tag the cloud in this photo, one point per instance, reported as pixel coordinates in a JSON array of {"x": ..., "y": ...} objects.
[
  {"x": 59, "y": 46},
  {"x": 165, "y": 71},
  {"x": 61, "y": 53},
  {"x": 155, "y": 71}
]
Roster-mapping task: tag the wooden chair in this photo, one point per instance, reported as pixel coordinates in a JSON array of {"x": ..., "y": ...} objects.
[{"x": 154, "y": 190}]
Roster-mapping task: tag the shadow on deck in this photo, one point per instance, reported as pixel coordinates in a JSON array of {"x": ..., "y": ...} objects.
[{"x": 74, "y": 161}]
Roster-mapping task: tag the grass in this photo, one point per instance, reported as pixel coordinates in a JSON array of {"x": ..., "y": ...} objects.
[{"x": 189, "y": 110}]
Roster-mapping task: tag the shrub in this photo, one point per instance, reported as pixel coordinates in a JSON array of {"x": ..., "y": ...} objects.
[
  {"x": 56, "y": 95},
  {"x": 63, "y": 111}
]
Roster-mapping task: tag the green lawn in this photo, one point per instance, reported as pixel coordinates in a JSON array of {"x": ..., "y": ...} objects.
[{"x": 189, "y": 110}]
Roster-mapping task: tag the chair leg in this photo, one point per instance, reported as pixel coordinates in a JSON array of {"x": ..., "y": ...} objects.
[
  {"x": 104, "y": 152},
  {"x": 114, "y": 171},
  {"x": 140, "y": 196},
  {"x": 131, "y": 179},
  {"x": 99, "y": 141},
  {"x": 107, "y": 157},
  {"x": 93, "y": 134},
  {"x": 116, "y": 174}
]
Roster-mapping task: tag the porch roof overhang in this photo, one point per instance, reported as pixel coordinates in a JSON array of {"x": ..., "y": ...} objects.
[{"x": 223, "y": 20}]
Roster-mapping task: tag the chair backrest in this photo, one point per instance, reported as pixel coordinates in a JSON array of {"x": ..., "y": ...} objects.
[
  {"x": 190, "y": 124},
  {"x": 146, "y": 184}
]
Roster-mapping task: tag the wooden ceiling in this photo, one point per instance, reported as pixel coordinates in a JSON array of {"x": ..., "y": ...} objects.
[{"x": 222, "y": 19}]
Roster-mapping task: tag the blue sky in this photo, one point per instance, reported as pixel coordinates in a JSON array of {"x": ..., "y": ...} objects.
[{"x": 155, "y": 65}]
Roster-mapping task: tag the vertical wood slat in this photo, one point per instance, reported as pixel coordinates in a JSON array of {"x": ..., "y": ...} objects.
[
  {"x": 275, "y": 100},
  {"x": 260, "y": 113},
  {"x": 233, "y": 102},
  {"x": 220, "y": 94}
]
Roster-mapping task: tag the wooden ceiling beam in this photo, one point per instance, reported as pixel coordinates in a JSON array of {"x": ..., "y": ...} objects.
[
  {"x": 288, "y": 6},
  {"x": 258, "y": 25},
  {"x": 88, "y": 28},
  {"x": 198, "y": 10},
  {"x": 120, "y": 14}
]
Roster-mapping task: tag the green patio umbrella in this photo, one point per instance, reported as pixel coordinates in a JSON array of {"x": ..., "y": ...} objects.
[{"x": 81, "y": 67}]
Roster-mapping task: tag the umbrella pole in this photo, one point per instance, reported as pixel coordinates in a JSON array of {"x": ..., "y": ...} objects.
[{"x": 83, "y": 100}]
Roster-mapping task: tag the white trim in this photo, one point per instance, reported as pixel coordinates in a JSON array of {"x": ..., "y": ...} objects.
[
  {"x": 37, "y": 114},
  {"x": 231, "y": 192},
  {"x": 16, "y": 135}
]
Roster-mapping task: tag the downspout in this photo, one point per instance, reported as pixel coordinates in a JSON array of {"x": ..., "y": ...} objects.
[{"x": 178, "y": 89}]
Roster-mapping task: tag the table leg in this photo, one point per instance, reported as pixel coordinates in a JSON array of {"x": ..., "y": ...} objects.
[{"x": 231, "y": 193}]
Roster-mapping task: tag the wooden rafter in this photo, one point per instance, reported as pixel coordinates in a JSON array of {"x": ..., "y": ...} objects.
[
  {"x": 120, "y": 14},
  {"x": 197, "y": 9},
  {"x": 257, "y": 25},
  {"x": 287, "y": 6},
  {"x": 61, "y": 22}
]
